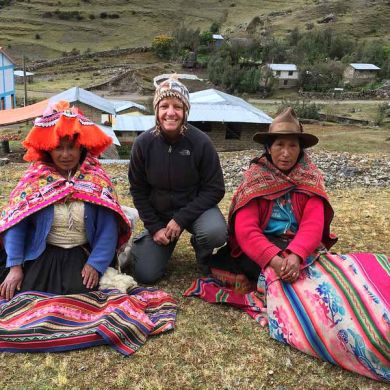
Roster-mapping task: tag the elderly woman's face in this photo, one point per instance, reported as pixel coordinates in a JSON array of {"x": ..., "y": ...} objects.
[
  {"x": 171, "y": 116},
  {"x": 66, "y": 156},
  {"x": 284, "y": 152}
]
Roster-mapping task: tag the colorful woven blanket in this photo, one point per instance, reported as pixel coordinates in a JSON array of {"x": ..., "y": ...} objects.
[
  {"x": 338, "y": 310},
  {"x": 42, "y": 186},
  {"x": 42, "y": 322}
]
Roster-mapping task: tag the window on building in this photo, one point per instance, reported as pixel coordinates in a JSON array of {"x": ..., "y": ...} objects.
[
  {"x": 232, "y": 133},
  {"x": 285, "y": 82},
  {"x": 2, "y": 103},
  {"x": 12, "y": 101},
  {"x": 204, "y": 126},
  {"x": 290, "y": 72}
]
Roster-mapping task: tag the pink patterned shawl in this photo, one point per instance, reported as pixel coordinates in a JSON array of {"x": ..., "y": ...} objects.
[{"x": 42, "y": 186}]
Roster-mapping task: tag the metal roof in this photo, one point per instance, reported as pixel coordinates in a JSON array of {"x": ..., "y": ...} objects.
[
  {"x": 217, "y": 36},
  {"x": 209, "y": 105},
  {"x": 288, "y": 67},
  {"x": 216, "y": 106},
  {"x": 21, "y": 74},
  {"x": 365, "y": 67},
  {"x": 134, "y": 122},
  {"x": 121, "y": 105},
  {"x": 110, "y": 132},
  {"x": 79, "y": 94}
]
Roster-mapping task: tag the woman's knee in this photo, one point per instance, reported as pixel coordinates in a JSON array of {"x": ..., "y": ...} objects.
[{"x": 214, "y": 235}]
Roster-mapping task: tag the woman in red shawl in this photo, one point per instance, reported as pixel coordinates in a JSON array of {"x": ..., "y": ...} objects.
[{"x": 335, "y": 307}]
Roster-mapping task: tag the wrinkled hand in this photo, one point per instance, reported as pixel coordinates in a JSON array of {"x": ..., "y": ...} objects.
[
  {"x": 90, "y": 276},
  {"x": 278, "y": 263},
  {"x": 290, "y": 273},
  {"x": 173, "y": 230},
  {"x": 12, "y": 282},
  {"x": 160, "y": 237}
]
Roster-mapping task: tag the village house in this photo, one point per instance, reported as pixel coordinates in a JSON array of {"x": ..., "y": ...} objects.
[
  {"x": 287, "y": 75},
  {"x": 229, "y": 121},
  {"x": 100, "y": 110},
  {"x": 360, "y": 74},
  {"x": 19, "y": 77},
  {"x": 218, "y": 40},
  {"x": 7, "y": 82}
]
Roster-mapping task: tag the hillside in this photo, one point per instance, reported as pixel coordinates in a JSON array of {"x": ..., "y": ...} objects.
[{"x": 46, "y": 29}]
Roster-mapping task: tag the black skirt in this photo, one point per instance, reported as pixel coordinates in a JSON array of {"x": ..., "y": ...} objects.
[{"x": 56, "y": 270}]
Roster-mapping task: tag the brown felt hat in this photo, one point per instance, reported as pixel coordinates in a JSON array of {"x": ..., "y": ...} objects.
[{"x": 286, "y": 123}]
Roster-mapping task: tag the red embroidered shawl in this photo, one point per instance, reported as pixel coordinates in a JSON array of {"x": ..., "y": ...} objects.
[{"x": 263, "y": 179}]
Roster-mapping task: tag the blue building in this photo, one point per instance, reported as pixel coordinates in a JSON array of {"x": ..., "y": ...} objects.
[{"x": 7, "y": 82}]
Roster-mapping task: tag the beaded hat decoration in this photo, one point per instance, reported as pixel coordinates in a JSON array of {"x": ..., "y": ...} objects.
[{"x": 58, "y": 121}]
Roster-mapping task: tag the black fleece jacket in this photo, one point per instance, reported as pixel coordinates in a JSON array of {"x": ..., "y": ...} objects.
[{"x": 177, "y": 180}]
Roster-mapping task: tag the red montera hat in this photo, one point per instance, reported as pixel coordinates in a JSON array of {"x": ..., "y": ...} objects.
[{"x": 58, "y": 121}]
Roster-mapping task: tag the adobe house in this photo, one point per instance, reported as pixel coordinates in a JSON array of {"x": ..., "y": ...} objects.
[
  {"x": 19, "y": 77},
  {"x": 7, "y": 82},
  {"x": 359, "y": 74},
  {"x": 229, "y": 121},
  {"x": 287, "y": 75}
]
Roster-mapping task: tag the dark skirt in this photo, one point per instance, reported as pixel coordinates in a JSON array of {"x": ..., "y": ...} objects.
[{"x": 56, "y": 270}]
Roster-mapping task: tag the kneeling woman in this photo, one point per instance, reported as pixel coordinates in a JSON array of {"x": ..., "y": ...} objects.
[
  {"x": 63, "y": 222},
  {"x": 336, "y": 307}
]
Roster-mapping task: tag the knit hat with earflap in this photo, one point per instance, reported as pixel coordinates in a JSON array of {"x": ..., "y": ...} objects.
[
  {"x": 172, "y": 88},
  {"x": 60, "y": 120}
]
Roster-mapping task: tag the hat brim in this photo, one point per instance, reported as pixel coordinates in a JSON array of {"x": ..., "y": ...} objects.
[{"x": 308, "y": 140}]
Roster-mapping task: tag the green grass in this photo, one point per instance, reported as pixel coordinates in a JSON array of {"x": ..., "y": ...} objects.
[
  {"x": 213, "y": 346},
  {"x": 140, "y": 21}
]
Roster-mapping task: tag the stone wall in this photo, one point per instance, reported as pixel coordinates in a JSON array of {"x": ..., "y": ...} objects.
[
  {"x": 101, "y": 54},
  {"x": 219, "y": 131},
  {"x": 91, "y": 113}
]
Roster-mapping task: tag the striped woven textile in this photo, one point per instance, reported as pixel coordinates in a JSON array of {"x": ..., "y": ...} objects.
[
  {"x": 338, "y": 310},
  {"x": 42, "y": 322}
]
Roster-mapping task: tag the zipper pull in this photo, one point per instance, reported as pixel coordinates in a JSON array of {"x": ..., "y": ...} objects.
[{"x": 170, "y": 149}]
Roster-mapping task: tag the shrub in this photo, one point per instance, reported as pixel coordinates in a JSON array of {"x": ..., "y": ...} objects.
[
  {"x": 103, "y": 15},
  {"x": 91, "y": 16},
  {"x": 381, "y": 114},
  {"x": 303, "y": 108},
  {"x": 37, "y": 36},
  {"x": 162, "y": 46}
]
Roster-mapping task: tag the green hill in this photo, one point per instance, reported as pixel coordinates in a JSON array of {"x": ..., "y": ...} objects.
[{"x": 46, "y": 29}]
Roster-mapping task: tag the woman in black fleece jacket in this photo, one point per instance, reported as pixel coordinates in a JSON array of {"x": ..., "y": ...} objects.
[{"x": 176, "y": 182}]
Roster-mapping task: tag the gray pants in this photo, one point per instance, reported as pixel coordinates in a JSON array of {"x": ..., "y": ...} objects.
[{"x": 149, "y": 260}]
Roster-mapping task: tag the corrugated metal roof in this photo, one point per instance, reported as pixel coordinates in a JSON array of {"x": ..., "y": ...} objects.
[
  {"x": 78, "y": 94},
  {"x": 110, "y": 132},
  {"x": 365, "y": 67},
  {"x": 133, "y": 122},
  {"x": 20, "y": 73},
  {"x": 91, "y": 99},
  {"x": 209, "y": 105},
  {"x": 288, "y": 67},
  {"x": 210, "y": 100},
  {"x": 217, "y": 36},
  {"x": 121, "y": 105}
]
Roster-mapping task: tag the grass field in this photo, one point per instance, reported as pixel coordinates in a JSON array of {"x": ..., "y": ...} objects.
[
  {"x": 212, "y": 347},
  {"x": 28, "y": 28}
]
